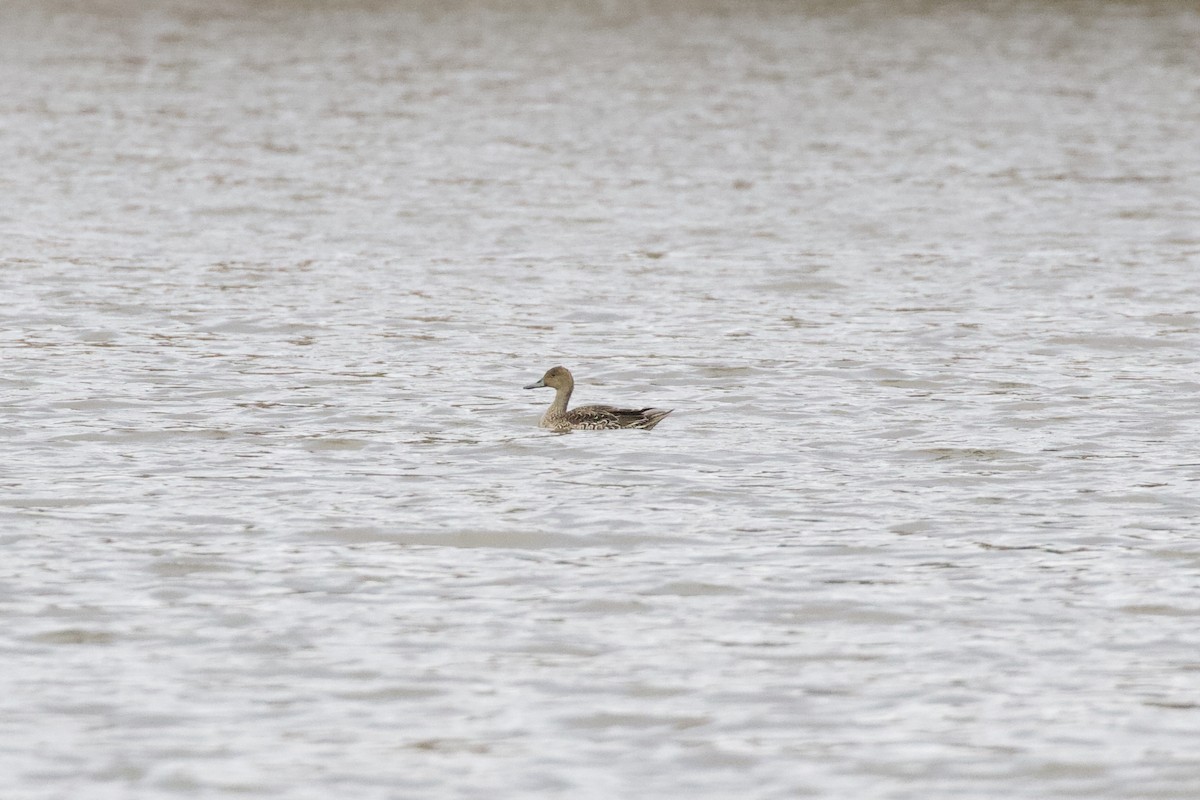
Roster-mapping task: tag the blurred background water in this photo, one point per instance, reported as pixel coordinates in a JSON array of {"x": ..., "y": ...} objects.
[{"x": 920, "y": 280}]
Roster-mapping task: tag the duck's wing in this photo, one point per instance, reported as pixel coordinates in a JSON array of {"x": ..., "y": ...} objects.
[{"x": 606, "y": 417}]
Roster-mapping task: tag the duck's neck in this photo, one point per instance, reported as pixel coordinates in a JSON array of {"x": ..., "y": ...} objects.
[{"x": 561, "y": 395}]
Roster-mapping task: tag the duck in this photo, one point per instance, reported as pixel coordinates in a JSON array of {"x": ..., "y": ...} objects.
[{"x": 589, "y": 418}]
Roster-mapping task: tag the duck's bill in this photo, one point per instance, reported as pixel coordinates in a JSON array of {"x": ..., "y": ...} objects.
[{"x": 537, "y": 385}]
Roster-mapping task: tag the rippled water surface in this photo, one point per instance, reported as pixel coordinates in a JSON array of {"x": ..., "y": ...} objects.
[{"x": 920, "y": 281}]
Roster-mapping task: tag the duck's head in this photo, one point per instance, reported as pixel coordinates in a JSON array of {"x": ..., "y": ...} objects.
[{"x": 555, "y": 378}]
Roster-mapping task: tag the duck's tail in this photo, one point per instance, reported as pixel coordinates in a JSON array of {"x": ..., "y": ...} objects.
[{"x": 653, "y": 416}]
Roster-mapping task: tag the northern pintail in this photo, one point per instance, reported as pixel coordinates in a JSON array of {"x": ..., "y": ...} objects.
[{"x": 589, "y": 418}]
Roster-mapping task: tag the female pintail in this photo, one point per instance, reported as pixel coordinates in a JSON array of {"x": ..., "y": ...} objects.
[{"x": 589, "y": 418}]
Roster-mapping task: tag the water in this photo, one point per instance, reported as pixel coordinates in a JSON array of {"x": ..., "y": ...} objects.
[{"x": 920, "y": 281}]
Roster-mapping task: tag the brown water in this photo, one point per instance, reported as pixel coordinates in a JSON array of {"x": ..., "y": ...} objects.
[{"x": 920, "y": 281}]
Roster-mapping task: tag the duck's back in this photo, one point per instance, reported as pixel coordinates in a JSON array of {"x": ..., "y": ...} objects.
[{"x": 598, "y": 418}]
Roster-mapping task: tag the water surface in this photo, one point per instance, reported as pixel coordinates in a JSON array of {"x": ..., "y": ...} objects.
[{"x": 920, "y": 281}]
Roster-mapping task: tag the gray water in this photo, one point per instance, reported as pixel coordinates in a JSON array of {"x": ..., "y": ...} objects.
[{"x": 920, "y": 281}]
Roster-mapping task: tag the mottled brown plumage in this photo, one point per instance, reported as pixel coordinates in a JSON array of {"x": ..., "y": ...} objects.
[{"x": 589, "y": 418}]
